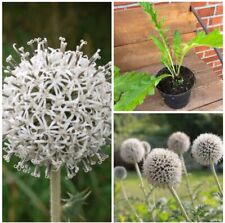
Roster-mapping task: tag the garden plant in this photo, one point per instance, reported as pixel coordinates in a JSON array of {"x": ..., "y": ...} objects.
[
  {"x": 56, "y": 113},
  {"x": 174, "y": 81},
  {"x": 163, "y": 168}
]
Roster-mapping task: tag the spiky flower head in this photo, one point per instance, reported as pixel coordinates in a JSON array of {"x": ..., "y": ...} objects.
[
  {"x": 207, "y": 148},
  {"x": 179, "y": 142},
  {"x": 56, "y": 108},
  {"x": 120, "y": 172},
  {"x": 132, "y": 151},
  {"x": 147, "y": 147},
  {"x": 162, "y": 168}
]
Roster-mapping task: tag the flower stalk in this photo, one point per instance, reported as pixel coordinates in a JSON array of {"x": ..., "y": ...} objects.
[
  {"x": 216, "y": 178},
  {"x": 55, "y": 190}
]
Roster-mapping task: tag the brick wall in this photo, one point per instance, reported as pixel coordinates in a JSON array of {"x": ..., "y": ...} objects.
[{"x": 212, "y": 15}]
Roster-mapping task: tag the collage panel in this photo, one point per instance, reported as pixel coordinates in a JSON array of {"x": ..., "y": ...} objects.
[
  {"x": 56, "y": 112},
  {"x": 168, "y": 168},
  {"x": 168, "y": 61}
]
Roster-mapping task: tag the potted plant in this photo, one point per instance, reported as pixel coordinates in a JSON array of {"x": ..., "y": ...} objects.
[{"x": 176, "y": 87}]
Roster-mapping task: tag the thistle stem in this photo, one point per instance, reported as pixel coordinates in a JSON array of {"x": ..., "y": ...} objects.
[
  {"x": 128, "y": 202},
  {"x": 55, "y": 196},
  {"x": 174, "y": 193},
  {"x": 216, "y": 178},
  {"x": 186, "y": 180}
]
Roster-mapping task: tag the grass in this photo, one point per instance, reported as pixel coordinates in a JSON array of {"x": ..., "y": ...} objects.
[{"x": 204, "y": 177}]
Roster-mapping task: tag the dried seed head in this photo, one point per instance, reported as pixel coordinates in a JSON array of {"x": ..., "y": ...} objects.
[
  {"x": 207, "y": 148},
  {"x": 56, "y": 109},
  {"x": 163, "y": 167},
  {"x": 120, "y": 172},
  {"x": 132, "y": 151},
  {"x": 178, "y": 142},
  {"x": 147, "y": 147}
]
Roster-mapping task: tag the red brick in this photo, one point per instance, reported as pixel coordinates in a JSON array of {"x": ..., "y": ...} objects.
[
  {"x": 217, "y": 63},
  {"x": 216, "y": 20},
  {"x": 122, "y": 3},
  {"x": 210, "y": 53},
  {"x": 218, "y": 68},
  {"x": 206, "y": 12},
  {"x": 216, "y": 27},
  {"x": 201, "y": 48},
  {"x": 205, "y": 21},
  {"x": 198, "y": 4},
  {"x": 214, "y": 3},
  {"x": 208, "y": 59},
  {"x": 219, "y": 10},
  {"x": 210, "y": 64},
  {"x": 200, "y": 55}
]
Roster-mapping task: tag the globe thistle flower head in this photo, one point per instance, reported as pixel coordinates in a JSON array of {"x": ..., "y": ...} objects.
[
  {"x": 132, "y": 151},
  {"x": 147, "y": 147},
  {"x": 162, "y": 168},
  {"x": 120, "y": 172},
  {"x": 178, "y": 142},
  {"x": 207, "y": 148},
  {"x": 56, "y": 108}
]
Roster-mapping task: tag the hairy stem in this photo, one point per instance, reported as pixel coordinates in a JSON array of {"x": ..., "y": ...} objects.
[
  {"x": 55, "y": 196},
  {"x": 216, "y": 178},
  {"x": 186, "y": 180},
  {"x": 174, "y": 193},
  {"x": 128, "y": 202}
]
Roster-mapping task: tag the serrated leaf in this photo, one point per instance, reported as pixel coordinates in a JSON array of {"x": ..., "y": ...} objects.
[
  {"x": 177, "y": 49},
  {"x": 131, "y": 88}
]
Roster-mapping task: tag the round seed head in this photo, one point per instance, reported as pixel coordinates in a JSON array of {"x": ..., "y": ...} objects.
[
  {"x": 120, "y": 172},
  {"x": 132, "y": 151},
  {"x": 178, "y": 142},
  {"x": 207, "y": 148},
  {"x": 163, "y": 168},
  {"x": 147, "y": 147},
  {"x": 56, "y": 108}
]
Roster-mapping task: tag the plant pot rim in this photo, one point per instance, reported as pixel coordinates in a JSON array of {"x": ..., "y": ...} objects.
[{"x": 190, "y": 89}]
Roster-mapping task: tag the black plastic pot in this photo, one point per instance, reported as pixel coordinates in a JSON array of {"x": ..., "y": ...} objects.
[{"x": 180, "y": 100}]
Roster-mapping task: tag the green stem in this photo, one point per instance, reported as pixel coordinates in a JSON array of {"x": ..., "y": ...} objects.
[
  {"x": 216, "y": 178},
  {"x": 128, "y": 202},
  {"x": 174, "y": 193},
  {"x": 55, "y": 196},
  {"x": 186, "y": 180}
]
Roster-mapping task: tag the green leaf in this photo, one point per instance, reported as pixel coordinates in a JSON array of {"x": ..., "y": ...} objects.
[
  {"x": 177, "y": 49},
  {"x": 213, "y": 40},
  {"x": 131, "y": 88}
]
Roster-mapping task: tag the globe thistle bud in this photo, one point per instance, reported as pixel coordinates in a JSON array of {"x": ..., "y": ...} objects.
[
  {"x": 178, "y": 142},
  {"x": 207, "y": 148},
  {"x": 147, "y": 147},
  {"x": 132, "y": 151},
  {"x": 56, "y": 108},
  {"x": 120, "y": 172},
  {"x": 163, "y": 168}
]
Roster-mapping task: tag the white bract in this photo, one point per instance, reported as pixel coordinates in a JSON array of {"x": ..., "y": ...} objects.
[
  {"x": 163, "y": 168},
  {"x": 207, "y": 148},
  {"x": 56, "y": 108}
]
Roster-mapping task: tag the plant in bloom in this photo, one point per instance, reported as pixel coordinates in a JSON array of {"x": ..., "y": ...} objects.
[{"x": 56, "y": 108}]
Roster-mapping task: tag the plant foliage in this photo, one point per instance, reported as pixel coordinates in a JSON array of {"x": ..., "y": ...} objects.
[
  {"x": 176, "y": 53},
  {"x": 131, "y": 88}
]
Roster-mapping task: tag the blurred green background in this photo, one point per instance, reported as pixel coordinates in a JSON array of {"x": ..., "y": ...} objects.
[{"x": 26, "y": 198}]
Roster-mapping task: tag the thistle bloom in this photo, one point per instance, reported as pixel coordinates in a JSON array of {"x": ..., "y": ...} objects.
[
  {"x": 179, "y": 142},
  {"x": 120, "y": 172},
  {"x": 132, "y": 151},
  {"x": 163, "y": 168},
  {"x": 56, "y": 108},
  {"x": 207, "y": 148}
]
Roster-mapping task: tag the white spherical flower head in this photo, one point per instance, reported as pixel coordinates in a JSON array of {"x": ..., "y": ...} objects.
[
  {"x": 132, "y": 151},
  {"x": 147, "y": 147},
  {"x": 207, "y": 148},
  {"x": 179, "y": 142},
  {"x": 120, "y": 172},
  {"x": 163, "y": 168},
  {"x": 56, "y": 108}
]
